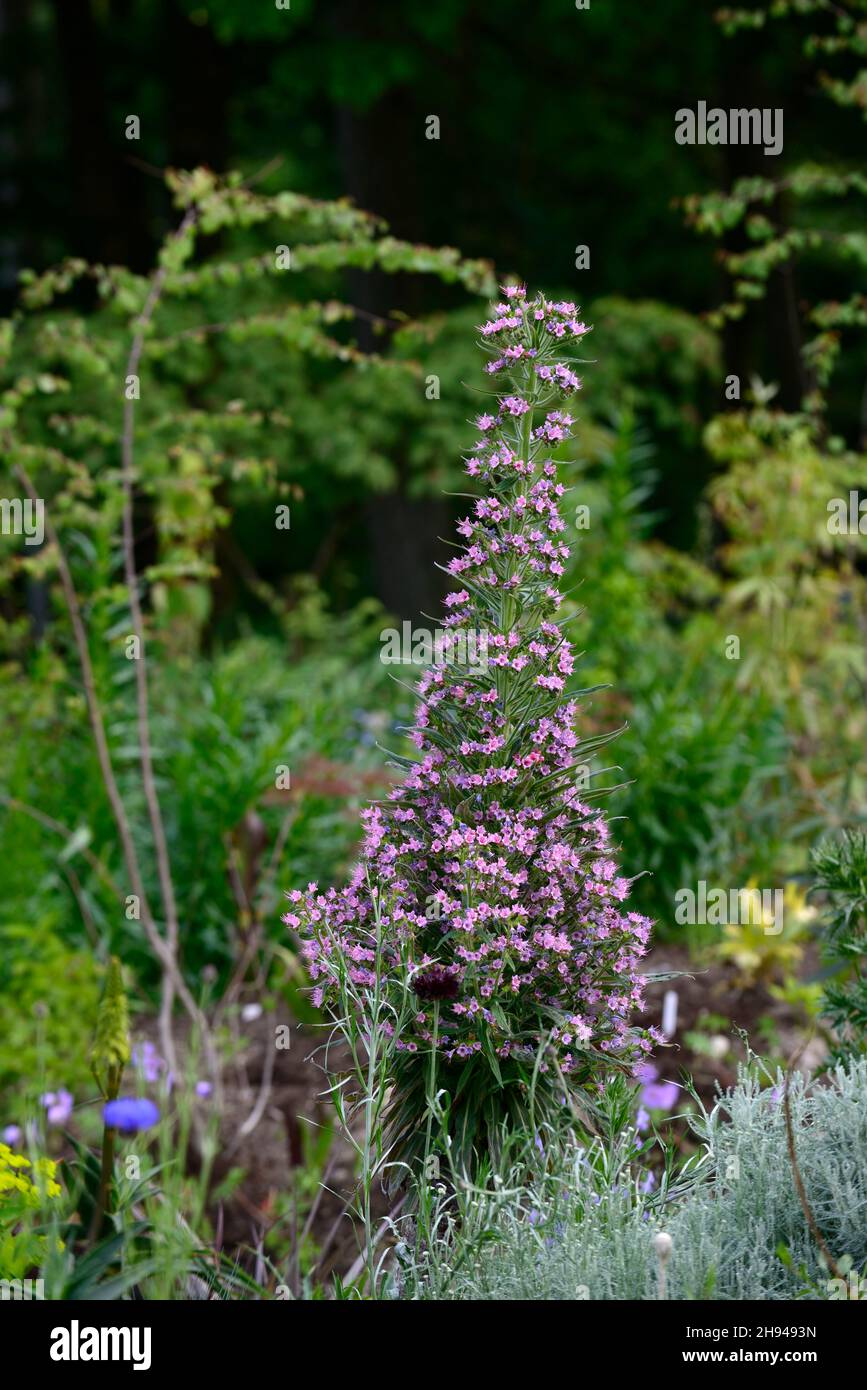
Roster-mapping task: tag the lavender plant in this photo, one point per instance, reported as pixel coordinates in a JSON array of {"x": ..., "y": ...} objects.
[
  {"x": 578, "y": 1222},
  {"x": 500, "y": 903}
]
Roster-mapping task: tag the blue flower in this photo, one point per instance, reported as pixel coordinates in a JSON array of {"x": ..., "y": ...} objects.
[{"x": 130, "y": 1115}]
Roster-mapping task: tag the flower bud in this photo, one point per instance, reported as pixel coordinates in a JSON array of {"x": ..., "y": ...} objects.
[{"x": 662, "y": 1244}]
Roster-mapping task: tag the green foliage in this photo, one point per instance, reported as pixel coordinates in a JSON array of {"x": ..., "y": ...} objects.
[
  {"x": 221, "y": 729},
  {"x": 236, "y": 282},
  {"x": 840, "y": 865},
  {"x": 794, "y": 594},
  {"x": 53, "y": 994},
  {"x": 387, "y": 427},
  {"x": 735, "y": 753},
  {"x": 27, "y": 1188},
  {"x": 799, "y": 219},
  {"x": 705, "y": 764},
  {"x": 792, "y": 591},
  {"x": 657, "y": 361},
  {"x": 214, "y": 441}
]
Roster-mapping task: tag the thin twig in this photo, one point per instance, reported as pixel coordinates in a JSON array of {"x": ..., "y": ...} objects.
[
  {"x": 97, "y": 724},
  {"x": 152, "y": 802},
  {"x": 86, "y": 916},
  {"x": 796, "y": 1171},
  {"x": 161, "y": 948},
  {"x": 173, "y": 982},
  {"x": 251, "y": 923}
]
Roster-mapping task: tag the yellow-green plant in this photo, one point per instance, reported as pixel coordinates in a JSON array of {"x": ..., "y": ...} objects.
[
  {"x": 110, "y": 1052},
  {"x": 793, "y": 593},
  {"x": 25, "y": 1188},
  {"x": 760, "y": 952}
]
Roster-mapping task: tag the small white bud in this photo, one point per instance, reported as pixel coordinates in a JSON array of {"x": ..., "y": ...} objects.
[{"x": 662, "y": 1244}]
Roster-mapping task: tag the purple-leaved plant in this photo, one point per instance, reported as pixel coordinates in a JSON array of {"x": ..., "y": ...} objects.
[{"x": 502, "y": 913}]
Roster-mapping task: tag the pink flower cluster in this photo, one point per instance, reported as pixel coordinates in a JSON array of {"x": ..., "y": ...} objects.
[{"x": 497, "y": 882}]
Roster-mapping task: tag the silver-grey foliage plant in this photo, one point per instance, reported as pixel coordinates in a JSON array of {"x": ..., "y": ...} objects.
[{"x": 583, "y": 1228}]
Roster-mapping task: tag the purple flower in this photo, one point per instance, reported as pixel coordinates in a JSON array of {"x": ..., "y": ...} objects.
[
  {"x": 146, "y": 1057},
  {"x": 203, "y": 1088},
  {"x": 655, "y": 1094},
  {"x": 642, "y": 1120},
  {"x": 129, "y": 1114},
  {"x": 660, "y": 1095},
  {"x": 647, "y": 1072},
  {"x": 58, "y": 1105},
  {"x": 12, "y": 1134}
]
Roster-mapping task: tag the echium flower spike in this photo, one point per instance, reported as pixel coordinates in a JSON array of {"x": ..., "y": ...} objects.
[
  {"x": 110, "y": 1051},
  {"x": 497, "y": 880}
]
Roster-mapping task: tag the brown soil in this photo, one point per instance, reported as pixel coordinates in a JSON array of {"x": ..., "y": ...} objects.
[{"x": 715, "y": 1004}]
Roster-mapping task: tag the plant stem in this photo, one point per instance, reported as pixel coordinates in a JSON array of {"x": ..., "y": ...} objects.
[
  {"x": 367, "y": 1166},
  {"x": 431, "y": 1089},
  {"x": 103, "y": 1200}
]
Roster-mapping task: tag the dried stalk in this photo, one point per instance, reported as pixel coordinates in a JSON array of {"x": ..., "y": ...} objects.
[
  {"x": 167, "y": 890},
  {"x": 796, "y": 1171},
  {"x": 97, "y": 724}
]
